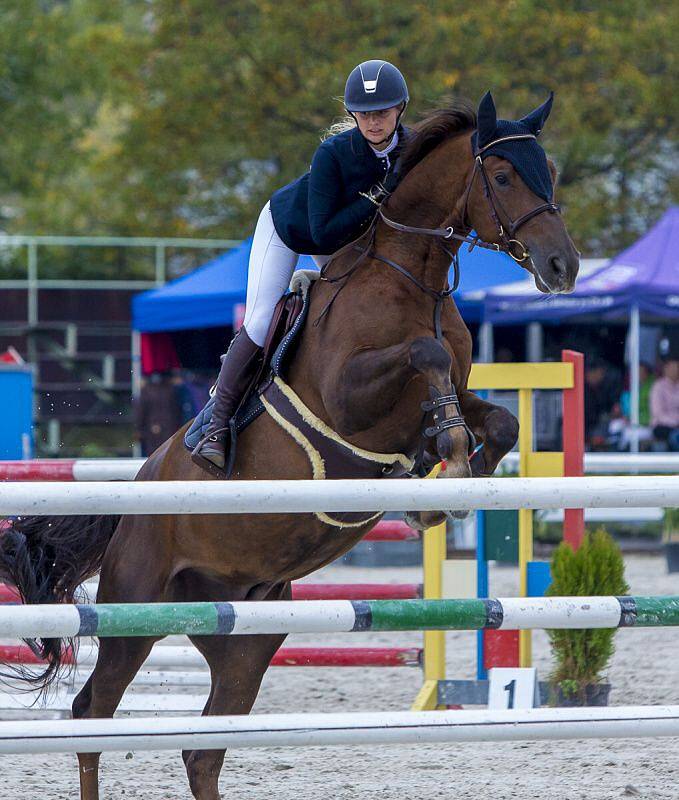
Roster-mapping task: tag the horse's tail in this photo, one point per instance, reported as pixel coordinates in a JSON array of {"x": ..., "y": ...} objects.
[{"x": 47, "y": 558}]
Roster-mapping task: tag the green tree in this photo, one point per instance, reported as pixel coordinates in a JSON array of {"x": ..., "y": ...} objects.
[
  {"x": 595, "y": 568},
  {"x": 182, "y": 116},
  {"x": 65, "y": 71}
]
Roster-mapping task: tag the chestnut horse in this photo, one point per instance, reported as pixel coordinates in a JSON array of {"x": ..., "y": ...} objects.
[{"x": 364, "y": 369}]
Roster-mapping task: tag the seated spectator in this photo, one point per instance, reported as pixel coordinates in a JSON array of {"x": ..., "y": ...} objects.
[
  {"x": 665, "y": 405},
  {"x": 646, "y": 381},
  {"x": 620, "y": 428},
  {"x": 183, "y": 397},
  {"x": 504, "y": 355}
]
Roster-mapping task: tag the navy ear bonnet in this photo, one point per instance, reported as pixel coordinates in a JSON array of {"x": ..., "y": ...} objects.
[{"x": 525, "y": 155}]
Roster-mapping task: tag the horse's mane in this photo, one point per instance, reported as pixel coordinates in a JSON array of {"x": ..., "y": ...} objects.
[{"x": 434, "y": 128}]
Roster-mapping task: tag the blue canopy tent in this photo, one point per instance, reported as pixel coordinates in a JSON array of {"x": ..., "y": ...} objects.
[
  {"x": 207, "y": 296},
  {"x": 480, "y": 271},
  {"x": 641, "y": 280}
]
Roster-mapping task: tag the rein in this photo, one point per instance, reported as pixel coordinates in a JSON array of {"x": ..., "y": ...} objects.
[{"x": 368, "y": 251}]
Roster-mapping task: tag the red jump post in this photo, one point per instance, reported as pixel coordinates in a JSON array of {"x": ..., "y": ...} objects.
[{"x": 574, "y": 443}]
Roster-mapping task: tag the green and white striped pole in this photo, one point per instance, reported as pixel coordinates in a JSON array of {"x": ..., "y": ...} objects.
[{"x": 330, "y": 616}]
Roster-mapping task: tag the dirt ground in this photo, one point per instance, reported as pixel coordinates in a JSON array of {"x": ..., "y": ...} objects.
[{"x": 644, "y": 670}]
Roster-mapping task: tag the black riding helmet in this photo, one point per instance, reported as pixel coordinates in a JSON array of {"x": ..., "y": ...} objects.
[{"x": 373, "y": 86}]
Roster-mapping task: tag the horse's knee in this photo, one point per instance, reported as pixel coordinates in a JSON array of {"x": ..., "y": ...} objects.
[{"x": 430, "y": 357}]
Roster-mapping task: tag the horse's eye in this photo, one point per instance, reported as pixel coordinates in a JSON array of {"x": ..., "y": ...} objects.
[{"x": 502, "y": 179}]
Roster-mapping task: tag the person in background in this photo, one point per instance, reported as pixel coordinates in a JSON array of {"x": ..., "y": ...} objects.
[
  {"x": 504, "y": 356},
  {"x": 602, "y": 388},
  {"x": 183, "y": 396},
  {"x": 197, "y": 383},
  {"x": 619, "y": 427},
  {"x": 664, "y": 402},
  {"x": 157, "y": 411}
]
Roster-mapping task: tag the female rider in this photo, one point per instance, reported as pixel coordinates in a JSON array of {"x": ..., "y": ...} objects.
[{"x": 326, "y": 208}]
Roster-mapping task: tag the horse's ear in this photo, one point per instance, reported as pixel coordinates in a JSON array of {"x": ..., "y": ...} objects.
[
  {"x": 537, "y": 118},
  {"x": 486, "y": 120}
]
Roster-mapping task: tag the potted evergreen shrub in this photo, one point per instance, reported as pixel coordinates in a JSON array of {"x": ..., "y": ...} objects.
[
  {"x": 671, "y": 538},
  {"x": 581, "y": 656}
]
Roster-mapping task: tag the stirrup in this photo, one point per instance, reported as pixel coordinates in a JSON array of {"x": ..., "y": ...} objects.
[{"x": 200, "y": 460}]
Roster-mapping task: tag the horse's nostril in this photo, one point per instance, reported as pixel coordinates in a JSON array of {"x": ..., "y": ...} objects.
[{"x": 558, "y": 265}]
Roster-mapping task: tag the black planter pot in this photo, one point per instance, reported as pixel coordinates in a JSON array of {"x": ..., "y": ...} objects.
[
  {"x": 672, "y": 556},
  {"x": 596, "y": 694}
]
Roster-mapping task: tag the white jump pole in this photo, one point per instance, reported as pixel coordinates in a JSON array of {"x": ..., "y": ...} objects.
[
  {"x": 267, "y": 497},
  {"x": 163, "y": 701},
  {"x": 161, "y": 657},
  {"x": 126, "y": 469},
  {"x": 107, "y": 469},
  {"x": 307, "y": 730},
  {"x": 607, "y": 463},
  {"x": 145, "y": 677}
]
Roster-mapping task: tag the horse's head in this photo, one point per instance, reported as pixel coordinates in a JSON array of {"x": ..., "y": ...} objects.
[{"x": 510, "y": 197}]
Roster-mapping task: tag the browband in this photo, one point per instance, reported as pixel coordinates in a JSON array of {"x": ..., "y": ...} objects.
[{"x": 505, "y": 139}]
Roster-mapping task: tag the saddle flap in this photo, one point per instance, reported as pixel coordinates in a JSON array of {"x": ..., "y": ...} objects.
[{"x": 288, "y": 308}]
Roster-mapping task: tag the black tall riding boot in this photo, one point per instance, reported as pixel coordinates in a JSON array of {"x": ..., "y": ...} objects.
[{"x": 237, "y": 370}]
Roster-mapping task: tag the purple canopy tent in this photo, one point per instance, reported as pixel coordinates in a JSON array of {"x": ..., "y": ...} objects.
[
  {"x": 645, "y": 275},
  {"x": 643, "y": 279}
]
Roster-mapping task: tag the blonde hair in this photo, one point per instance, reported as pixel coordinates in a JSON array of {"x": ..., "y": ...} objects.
[{"x": 344, "y": 123}]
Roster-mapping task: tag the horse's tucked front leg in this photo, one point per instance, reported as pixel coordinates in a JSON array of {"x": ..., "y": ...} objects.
[
  {"x": 374, "y": 380},
  {"x": 492, "y": 425}
]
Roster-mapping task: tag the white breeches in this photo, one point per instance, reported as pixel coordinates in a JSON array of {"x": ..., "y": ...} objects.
[{"x": 270, "y": 268}]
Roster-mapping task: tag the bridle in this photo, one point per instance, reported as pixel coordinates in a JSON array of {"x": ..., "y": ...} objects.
[
  {"x": 435, "y": 406},
  {"x": 507, "y": 237}
]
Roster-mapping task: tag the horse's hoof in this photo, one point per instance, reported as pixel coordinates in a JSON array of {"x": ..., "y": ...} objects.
[
  {"x": 413, "y": 521},
  {"x": 417, "y": 521}
]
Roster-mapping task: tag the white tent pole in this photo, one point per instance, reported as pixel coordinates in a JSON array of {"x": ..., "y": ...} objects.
[
  {"x": 486, "y": 347},
  {"x": 136, "y": 379},
  {"x": 534, "y": 341},
  {"x": 634, "y": 358}
]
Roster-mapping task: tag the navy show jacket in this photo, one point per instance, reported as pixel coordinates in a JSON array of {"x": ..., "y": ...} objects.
[{"x": 322, "y": 211}]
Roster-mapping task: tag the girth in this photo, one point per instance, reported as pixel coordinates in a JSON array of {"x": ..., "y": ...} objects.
[{"x": 329, "y": 455}]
